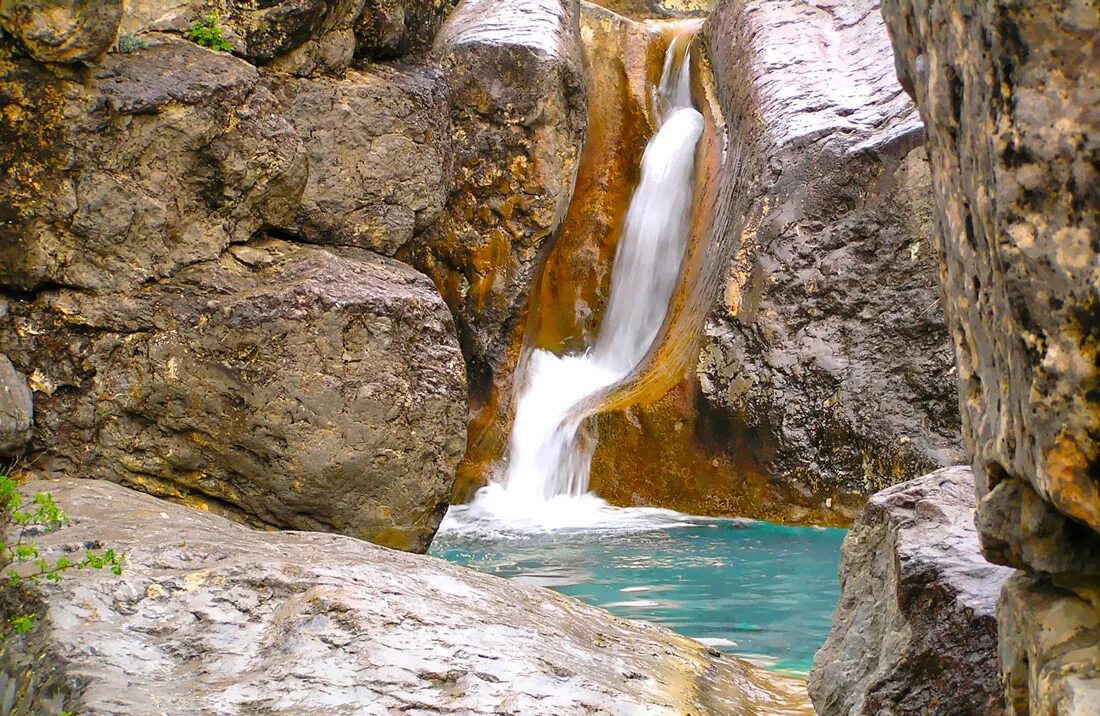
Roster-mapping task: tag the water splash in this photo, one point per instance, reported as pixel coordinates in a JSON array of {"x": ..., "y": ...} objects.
[{"x": 546, "y": 479}]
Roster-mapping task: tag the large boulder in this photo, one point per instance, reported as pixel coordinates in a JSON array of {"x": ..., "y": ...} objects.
[
  {"x": 138, "y": 165},
  {"x": 378, "y": 141},
  {"x": 62, "y": 30},
  {"x": 212, "y": 617},
  {"x": 16, "y": 409},
  {"x": 286, "y": 385},
  {"x": 826, "y": 370},
  {"x": 517, "y": 98},
  {"x": 1008, "y": 94},
  {"x": 1014, "y": 134},
  {"x": 915, "y": 630}
]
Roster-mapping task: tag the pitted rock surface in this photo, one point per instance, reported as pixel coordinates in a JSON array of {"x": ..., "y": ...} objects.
[
  {"x": 282, "y": 384},
  {"x": 915, "y": 630},
  {"x": 209, "y": 616}
]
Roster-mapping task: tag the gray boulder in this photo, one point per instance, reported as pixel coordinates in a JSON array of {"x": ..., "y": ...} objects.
[
  {"x": 915, "y": 631},
  {"x": 16, "y": 409},
  {"x": 212, "y": 617},
  {"x": 282, "y": 384}
]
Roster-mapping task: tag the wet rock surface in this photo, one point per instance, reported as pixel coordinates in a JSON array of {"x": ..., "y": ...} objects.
[
  {"x": 517, "y": 98},
  {"x": 826, "y": 370},
  {"x": 16, "y": 409},
  {"x": 1009, "y": 105},
  {"x": 286, "y": 385},
  {"x": 211, "y": 616},
  {"x": 915, "y": 631}
]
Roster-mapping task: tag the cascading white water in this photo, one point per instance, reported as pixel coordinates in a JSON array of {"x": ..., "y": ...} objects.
[{"x": 546, "y": 480}]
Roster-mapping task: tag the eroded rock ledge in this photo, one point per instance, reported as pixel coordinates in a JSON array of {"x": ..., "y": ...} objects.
[{"x": 223, "y": 619}]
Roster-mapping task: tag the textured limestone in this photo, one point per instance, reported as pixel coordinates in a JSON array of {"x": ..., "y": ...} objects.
[
  {"x": 1050, "y": 646},
  {"x": 16, "y": 409},
  {"x": 1014, "y": 136},
  {"x": 138, "y": 165},
  {"x": 914, "y": 631},
  {"x": 517, "y": 99},
  {"x": 300, "y": 36},
  {"x": 378, "y": 143},
  {"x": 1010, "y": 104},
  {"x": 826, "y": 371},
  {"x": 62, "y": 30},
  {"x": 212, "y": 617},
  {"x": 287, "y": 385}
]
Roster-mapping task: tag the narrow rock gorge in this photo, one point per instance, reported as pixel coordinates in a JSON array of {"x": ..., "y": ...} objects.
[{"x": 634, "y": 302}]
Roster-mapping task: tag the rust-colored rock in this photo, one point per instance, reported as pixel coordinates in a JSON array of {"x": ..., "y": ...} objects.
[
  {"x": 62, "y": 30},
  {"x": 516, "y": 91},
  {"x": 825, "y": 373}
]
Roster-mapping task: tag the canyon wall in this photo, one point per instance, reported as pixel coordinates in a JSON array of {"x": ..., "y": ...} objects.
[
  {"x": 1011, "y": 105},
  {"x": 197, "y": 272},
  {"x": 826, "y": 372}
]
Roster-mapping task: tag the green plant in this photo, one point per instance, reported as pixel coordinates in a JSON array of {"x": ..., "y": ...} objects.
[
  {"x": 208, "y": 33},
  {"x": 130, "y": 42},
  {"x": 20, "y": 561}
]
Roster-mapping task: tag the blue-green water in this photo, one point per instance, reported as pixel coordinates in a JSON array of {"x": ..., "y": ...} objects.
[{"x": 762, "y": 591}]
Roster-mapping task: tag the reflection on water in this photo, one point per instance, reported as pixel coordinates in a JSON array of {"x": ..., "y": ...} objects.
[{"x": 762, "y": 591}]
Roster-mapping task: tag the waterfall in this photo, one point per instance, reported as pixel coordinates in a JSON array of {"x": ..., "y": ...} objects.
[{"x": 545, "y": 480}]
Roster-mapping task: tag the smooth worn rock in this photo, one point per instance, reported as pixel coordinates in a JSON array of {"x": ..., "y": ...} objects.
[
  {"x": 915, "y": 630},
  {"x": 62, "y": 30},
  {"x": 141, "y": 164},
  {"x": 212, "y": 617},
  {"x": 1050, "y": 646},
  {"x": 1012, "y": 112},
  {"x": 517, "y": 98},
  {"x": 826, "y": 370},
  {"x": 16, "y": 409},
  {"x": 641, "y": 9},
  {"x": 286, "y": 385},
  {"x": 378, "y": 143}
]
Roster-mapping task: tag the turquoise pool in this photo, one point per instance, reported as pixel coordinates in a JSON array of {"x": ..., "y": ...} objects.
[{"x": 764, "y": 592}]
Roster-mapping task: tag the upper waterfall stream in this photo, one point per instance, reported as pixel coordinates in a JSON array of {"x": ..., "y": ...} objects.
[{"x": 545, "y": 481}]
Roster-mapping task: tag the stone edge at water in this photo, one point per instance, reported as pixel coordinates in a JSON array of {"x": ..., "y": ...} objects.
[
  {"x": 216, "y": 616},
  {"x": 914, "y": 631}
]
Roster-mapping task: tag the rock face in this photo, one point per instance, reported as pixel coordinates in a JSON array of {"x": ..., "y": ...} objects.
[
  {"x": 516, "y": 92},
  {"x": 826, "y": 371},
  {"x": 214, "y": 617},
  {"x": 288, "y": 385},
  {"x": 62, "y": 30},
  {"x": 1009, "y": 102},
  {"x": 170, "y": 345},
  {"x": 378, "y": 145},
  {"x": 16, "y": 409},
  {"x": 138, "y": 166},
  {"x": 915, "y": 630}
]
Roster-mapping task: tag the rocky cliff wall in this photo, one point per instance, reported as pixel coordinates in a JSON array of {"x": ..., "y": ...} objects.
[
  {"x": 1009, "y": 97},
  {"x": 157, "y": 286}
]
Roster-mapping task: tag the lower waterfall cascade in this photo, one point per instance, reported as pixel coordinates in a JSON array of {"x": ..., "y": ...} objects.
[{"x": 544, "y": 482}]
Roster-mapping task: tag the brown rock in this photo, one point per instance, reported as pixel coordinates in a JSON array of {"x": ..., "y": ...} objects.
[
  {"x": 16, "y": 409},
  {"x": 1050, "y": 646},
  {"x": 378, "y": 143},
  {"x": 516, "y": 92},
  {"x": 1013, "y": 125},
  {"x": 62, "y": 30},
  {"x": 286, "y": 385},
  {"x": 137, "y": 166}
]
